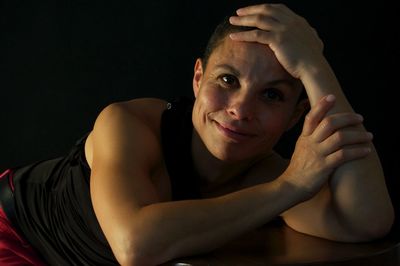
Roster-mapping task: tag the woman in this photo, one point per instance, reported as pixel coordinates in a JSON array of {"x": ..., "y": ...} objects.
[{"x": 155, "y": 180}]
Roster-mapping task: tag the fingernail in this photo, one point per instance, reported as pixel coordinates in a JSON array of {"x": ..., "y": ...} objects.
[
  {"x": 360, "y": 117},
  {"x": 330, "y": 98},
  {"x": 232, "y": 20},
  {"x": 370, "y": 135}
]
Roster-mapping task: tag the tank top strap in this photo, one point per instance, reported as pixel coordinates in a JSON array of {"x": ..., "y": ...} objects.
[{"x": 176, "y": 135}]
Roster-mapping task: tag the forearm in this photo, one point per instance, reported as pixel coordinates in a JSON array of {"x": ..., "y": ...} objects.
[
  {"x": 359, "y": 193},
  {"x": 335, "y": 148},
  {"x": 168, "y": 230},
  {"x": 319, "y": 80}
]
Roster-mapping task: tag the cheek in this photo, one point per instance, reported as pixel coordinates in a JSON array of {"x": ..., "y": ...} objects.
[
  {"x": 208, "y": 102},
  {"x": 211, "y": 99}
]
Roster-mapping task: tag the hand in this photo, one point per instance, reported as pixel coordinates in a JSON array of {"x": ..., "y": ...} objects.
[
  {"x": 295, "y": 43},
  {"x": 326, "y": 142}
]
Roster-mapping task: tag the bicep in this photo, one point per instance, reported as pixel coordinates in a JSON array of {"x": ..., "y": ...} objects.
[{"x": 124, "y": 151}]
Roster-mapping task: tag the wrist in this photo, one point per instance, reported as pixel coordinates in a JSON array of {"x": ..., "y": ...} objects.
[
  {"x": 296, "y": 193},
  {"x": 314, "y": 68},
  {"x": 319, "y": 80}
]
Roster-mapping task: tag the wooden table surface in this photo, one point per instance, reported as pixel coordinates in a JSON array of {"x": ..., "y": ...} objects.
[{"x": 277, "y": 244}]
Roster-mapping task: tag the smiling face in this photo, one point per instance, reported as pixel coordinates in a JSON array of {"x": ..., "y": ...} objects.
[{"x": 244, "y": 102}]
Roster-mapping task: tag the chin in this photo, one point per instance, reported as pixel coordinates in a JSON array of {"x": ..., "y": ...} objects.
[
  {"x": 227, "y": 158},
  {"x": 231, "y": 156},
  {"x": 239, "y": 152}
]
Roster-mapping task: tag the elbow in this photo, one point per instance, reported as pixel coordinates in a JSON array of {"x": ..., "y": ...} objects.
[
  {"x": 137, "y": 253},
  {"x": 132, "y": 258},
  {"x": 132, "y": 255},
  {"x": 141, "y": 245},
  {"x": 125, "y": 259},
  {"x": 384, "y": 227},
  {"x": 375, "y": 230},
  {"x": 370, "y": 235},
  {"x": 124, "y": 254}
]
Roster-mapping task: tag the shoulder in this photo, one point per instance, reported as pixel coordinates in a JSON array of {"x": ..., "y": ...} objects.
[
  {"x": 123, "y": 127},
  {"x": 147, "y": 111}
]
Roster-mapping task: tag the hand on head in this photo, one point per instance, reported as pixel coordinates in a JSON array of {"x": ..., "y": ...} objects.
[{"x": 295, "y": 43}]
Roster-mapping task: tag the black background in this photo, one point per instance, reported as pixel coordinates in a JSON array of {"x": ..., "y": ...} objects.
[{"x": 62, "y": 61}]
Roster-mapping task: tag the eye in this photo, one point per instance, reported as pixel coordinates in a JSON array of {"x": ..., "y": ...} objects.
[
  {"x": 273, "y": 95},
  {"x": 229, "y": 80}
]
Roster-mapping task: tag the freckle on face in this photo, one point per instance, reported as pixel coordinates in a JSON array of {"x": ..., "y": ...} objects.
[{"x": 253, "y": 62}]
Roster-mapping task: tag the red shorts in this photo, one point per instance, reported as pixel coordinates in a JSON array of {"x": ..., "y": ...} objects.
[{"x": 14, "y": 249}]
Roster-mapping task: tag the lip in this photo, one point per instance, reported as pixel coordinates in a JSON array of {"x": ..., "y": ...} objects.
[{"x": 233, "y": 133}]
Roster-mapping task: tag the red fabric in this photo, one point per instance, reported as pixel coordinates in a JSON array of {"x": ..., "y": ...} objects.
[{"x": 14, "y": 250}]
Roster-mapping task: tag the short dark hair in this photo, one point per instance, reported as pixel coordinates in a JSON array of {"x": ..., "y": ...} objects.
[{"x": 223, "y": 29}]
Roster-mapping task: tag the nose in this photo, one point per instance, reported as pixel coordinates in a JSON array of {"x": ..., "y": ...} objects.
[{"x": 241, "y": 107}]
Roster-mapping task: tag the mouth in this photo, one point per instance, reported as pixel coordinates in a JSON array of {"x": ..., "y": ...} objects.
[{"x": 233, "y": 133}]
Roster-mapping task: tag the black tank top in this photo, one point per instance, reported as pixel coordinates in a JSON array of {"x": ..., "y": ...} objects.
[
  {"x": 53, "y": 204},
  {"x": 176, "y": 130}
]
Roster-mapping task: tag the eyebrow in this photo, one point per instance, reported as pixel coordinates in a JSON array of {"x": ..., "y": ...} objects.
[
  {"x": 230, "y": 68},
  {"x": 291, "y": 82},
  {"x": 234, "y": 71}
]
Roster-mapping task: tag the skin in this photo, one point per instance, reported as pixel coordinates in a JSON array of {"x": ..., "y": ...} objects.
[
  {"x": 353, "y": 185},
  {"x": 239, "y": 115},
  {"x": 330, "y": 187}
]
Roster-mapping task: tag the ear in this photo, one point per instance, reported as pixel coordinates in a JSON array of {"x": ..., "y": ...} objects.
[
  {"x": 301, "y": 107},
  {"x": 198, "y": 74}
]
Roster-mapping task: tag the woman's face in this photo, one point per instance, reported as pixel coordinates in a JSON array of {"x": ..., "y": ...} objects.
[{"x": 245, "y": 101}]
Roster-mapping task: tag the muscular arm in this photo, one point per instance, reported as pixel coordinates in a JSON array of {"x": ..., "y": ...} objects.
[
  {"x": 140, "y": 227},
  {"x": 354, "y": 205}
]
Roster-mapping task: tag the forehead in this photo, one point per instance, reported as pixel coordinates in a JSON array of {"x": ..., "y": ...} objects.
[{"x": 252, "y": 60}]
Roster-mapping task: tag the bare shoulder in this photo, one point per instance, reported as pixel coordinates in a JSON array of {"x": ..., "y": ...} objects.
[
  {"x": 148, "y": 110},
  {"x": 124, "y": 123},
  {"x": 266, "y": 170}
]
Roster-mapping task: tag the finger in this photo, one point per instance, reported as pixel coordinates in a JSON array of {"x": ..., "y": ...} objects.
[
  {"x": 260, "y": 36},
  {"x": 347, "y": 154},
  {"x": 277, "y": 11},
  {"x": 341, "y": 139},
  {"x": 333, "y": 123},
  {"x": 266, "y": 9},
  {"x": 259, "y": 21},
  {"x": 317, "y": 113}
]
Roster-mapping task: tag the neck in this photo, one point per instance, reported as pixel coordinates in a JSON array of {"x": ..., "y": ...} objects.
[{"x": 213, "y": 172}]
